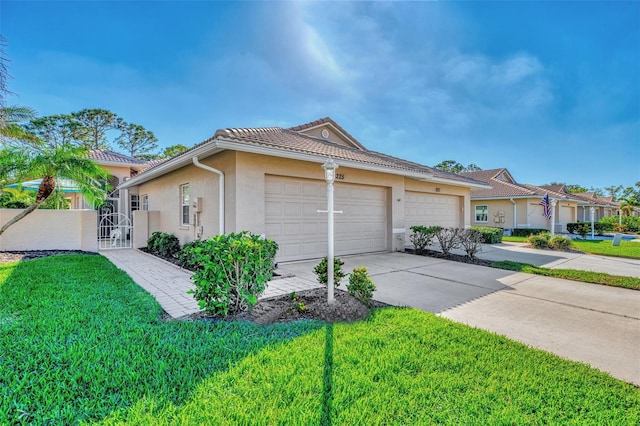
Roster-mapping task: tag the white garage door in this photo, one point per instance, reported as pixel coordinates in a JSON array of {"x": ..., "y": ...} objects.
[
  {"x": 421, "y": 208},
  {"x": 292, "y": 220}
]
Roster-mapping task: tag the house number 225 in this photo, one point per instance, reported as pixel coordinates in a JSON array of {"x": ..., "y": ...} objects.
[{"x": 339, "y": 176}]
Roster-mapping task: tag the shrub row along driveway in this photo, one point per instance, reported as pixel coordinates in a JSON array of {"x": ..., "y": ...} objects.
[{"x": 590, "y": 323}]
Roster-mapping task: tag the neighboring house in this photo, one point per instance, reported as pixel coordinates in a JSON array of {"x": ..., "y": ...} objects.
[
  {"x": 508, "y": 204},
  {"x": 121, "y": 167},
  {"x": 269, "y": 181},
  {"x": 602, "y": 206}
]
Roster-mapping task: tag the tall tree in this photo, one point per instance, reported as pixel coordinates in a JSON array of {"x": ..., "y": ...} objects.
[
  {"x": 472, "y": 168},
  {"x": 455, "y": 167},
  {"x": 136, "y": 140},
  {"x": 631, "y": 194},
  {"x": 55, "y": 130},
  {"x": 450, "y": 166},
  {"x": 613, "y": 191},
  {"x": 174, "y": 150},
  {"x": 93, "y": 125},
  {"x": 29, "y": 162}
]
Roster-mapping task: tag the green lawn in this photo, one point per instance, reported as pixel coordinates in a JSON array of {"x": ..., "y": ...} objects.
[
  {"x": 628, "y": 249},
  {"x": 79, "y": 342},
  {"x": 571, "y": 274},
  {"x": 625, "y": 249}
]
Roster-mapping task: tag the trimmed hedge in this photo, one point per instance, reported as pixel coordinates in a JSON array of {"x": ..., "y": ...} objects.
[
  {"x": 525, "y": 232},
  {"x": 490, "y": 234}
]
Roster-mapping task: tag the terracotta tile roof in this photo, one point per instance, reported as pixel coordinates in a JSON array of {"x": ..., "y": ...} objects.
[
  {"x": 291, "y": 140},
  {"x": 556, "y": 188},
  {"x": 590, "y": 198},
  {"x": 552, "y": 194},
  {"x": 113, "y": 157},
  {"x": 499, "y": 188}
]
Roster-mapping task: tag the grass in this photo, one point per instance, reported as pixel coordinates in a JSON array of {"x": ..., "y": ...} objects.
[
  {"x": 628, "y": 249},
  {"x": 511, "y": 239},
  {"x": 571, "y": 274},
  {"x": 79, "y": 342}
]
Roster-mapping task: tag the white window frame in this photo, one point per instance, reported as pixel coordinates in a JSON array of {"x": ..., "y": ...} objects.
[
  {"x": 185, "y": 210},
  {"x": 144, "y": 202},
  {"x": 481, "y": 213}
]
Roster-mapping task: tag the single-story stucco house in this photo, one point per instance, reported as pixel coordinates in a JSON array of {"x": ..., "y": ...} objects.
[
  {"x": 269, "y": 181},
  {"x": 602, "y": 206},
  {"x": 508, "y": 204}
]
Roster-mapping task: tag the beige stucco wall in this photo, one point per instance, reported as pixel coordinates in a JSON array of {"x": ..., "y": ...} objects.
[
  {"x": 144, "y": 223},
  {"x": 164, "y": 197},
  {"x": 504, "y": 209},
  {"x": 50, "y": 230},
  {"x": 245, "y": 193}
]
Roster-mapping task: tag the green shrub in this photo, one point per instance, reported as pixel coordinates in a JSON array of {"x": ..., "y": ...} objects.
[
  {"x": 187, "y": 256},
  {"x": 163, "y": 244},
  {"x": 471, "y": 241},
  {"x": 448, "y": 238},
  {"x": 525, "y": 232},
  {"x": 539, "y": 240},
  {"x": 560, "y": 242},
  {"x": 321, "y": 271},
  {"x": 360, "y": 285},
  {"x": 584, "y": 228},
  {"x": 421, "y": 236},
  {"x": 233, "y": 271},
  {"x": 629, "y": 223},
  {"x": 490, "y": 234}
]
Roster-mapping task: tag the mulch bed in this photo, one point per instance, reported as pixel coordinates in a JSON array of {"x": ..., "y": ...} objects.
[
  {"x": 308, "y": 304},
  {"x": 454, "y": 257},
  {"x": 17, "y": 256}
]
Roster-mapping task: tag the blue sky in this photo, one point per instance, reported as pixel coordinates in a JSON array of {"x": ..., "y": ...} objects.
[{"x": 550, "y": 90}]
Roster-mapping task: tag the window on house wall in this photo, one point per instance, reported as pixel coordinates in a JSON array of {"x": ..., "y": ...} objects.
[
  {"x": 482, "y": 213},
  {"x": 145, "y": 202},
  {"x": 184, "y": 199},
  {"x": 135, "y": 202}
]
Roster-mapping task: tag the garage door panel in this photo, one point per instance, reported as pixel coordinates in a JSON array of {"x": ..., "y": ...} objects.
[
  {"x": 292, "y": 209},
  {"x": 273, "y": 208},
  {"x": 362, "y": 227}
]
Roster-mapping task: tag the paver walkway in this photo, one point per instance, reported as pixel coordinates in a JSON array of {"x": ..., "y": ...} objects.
[{"x": 169, "y": 284}]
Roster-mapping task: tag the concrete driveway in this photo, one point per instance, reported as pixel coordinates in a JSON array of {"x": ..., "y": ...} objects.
[{"x": 594, "y": 324}]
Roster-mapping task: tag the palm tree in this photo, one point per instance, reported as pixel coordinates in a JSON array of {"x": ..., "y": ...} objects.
[
  {"x": 10, "y": 119},
  {"x": 626, "y": 208},
  {"x": 19, "y": 164}
]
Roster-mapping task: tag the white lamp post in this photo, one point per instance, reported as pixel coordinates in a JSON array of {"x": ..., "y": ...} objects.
[
  {"x": 592, "y": 210},
  {"x": 553, "y": 216},
  {"x": 330, "y": 176}
]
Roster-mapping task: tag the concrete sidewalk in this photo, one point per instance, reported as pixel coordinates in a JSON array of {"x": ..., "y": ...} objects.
[
  {"x": 169, "y": 283},
  {"x": 518, "y": 252}
]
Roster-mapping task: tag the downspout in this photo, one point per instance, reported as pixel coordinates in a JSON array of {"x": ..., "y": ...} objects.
[
  {"x": 197, "y": 163},
  {"x": 515, "y": 213}
]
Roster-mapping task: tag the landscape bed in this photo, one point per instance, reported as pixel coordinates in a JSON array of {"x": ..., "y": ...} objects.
[{"x": 80, "y": 342}]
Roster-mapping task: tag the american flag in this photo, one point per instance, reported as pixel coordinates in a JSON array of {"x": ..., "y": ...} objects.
[{"x": 546, "y": 206}]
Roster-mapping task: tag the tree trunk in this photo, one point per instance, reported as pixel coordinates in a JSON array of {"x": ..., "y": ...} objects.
[{"x": 47, "y": 186}]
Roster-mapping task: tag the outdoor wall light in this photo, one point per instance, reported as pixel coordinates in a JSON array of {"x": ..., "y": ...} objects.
[{"x": 330, "y": 167}]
